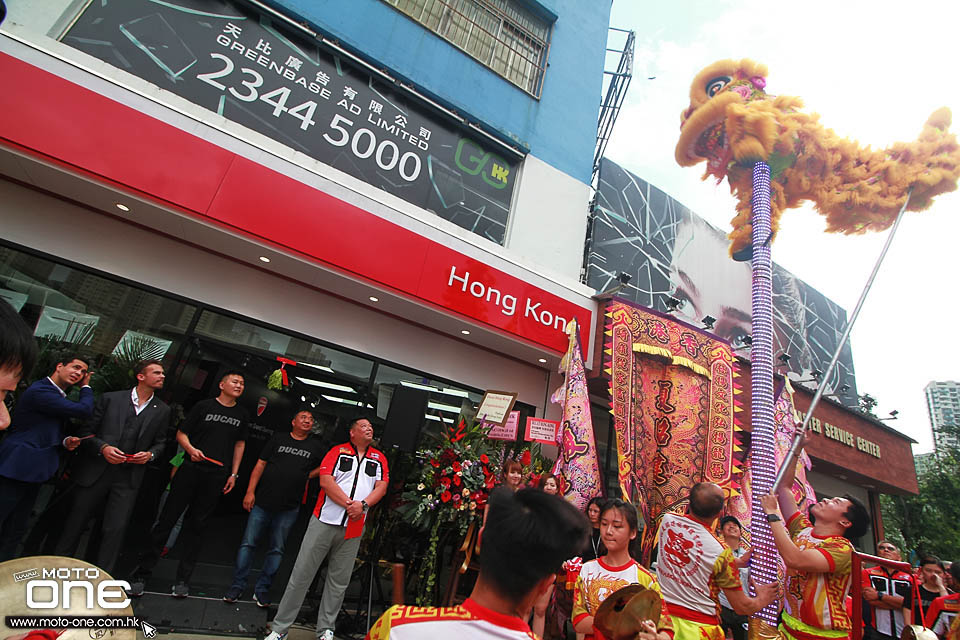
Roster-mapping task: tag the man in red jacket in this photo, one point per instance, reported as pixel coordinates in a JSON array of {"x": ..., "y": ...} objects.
[{"x": 884, "y": 592}]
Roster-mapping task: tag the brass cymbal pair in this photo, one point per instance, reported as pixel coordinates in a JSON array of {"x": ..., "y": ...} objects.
[{"x": 621, "y": 615}]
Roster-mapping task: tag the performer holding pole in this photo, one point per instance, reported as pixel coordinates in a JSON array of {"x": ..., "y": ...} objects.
[
  {"x": 818, "y": 558},
  {"x": 738, "y": 129}
]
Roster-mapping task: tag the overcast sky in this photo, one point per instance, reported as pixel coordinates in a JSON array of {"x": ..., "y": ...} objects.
[{"x": 874, "y": 71}]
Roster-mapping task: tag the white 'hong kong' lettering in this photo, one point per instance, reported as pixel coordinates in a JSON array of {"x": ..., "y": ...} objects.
[{"x": 507, "y": 303}]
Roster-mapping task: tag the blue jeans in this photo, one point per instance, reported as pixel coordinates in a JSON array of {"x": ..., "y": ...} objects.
[{"x": 279, "y": 523}]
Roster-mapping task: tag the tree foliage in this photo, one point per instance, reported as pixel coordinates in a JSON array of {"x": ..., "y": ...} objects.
[{"x": 927, "y": 523}]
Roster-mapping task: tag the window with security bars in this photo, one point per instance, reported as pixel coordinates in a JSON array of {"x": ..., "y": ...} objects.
[{"x": 501, "y": 34}]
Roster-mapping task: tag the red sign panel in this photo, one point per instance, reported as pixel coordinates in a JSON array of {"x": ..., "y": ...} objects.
[
  {"x": 212, "y": 183},
  {"x": 541, "y": 430}
]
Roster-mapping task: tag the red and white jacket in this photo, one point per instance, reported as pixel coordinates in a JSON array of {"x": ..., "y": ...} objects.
[
  {"x": 888, "y": 621},
  {"x": 941, "y": 613},
  {"x": 356, "y": 476}
]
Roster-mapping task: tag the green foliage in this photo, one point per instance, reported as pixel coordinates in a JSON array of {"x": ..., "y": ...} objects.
[{"x": 927, "y": 523}]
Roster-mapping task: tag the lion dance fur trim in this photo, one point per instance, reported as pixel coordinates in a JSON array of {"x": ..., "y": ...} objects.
[{"x": 732, "y": 123}]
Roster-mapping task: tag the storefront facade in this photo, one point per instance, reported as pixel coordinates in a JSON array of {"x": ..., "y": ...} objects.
[
  {"x": 109, "y": 176},
  {"x": 437, "y": 247}
]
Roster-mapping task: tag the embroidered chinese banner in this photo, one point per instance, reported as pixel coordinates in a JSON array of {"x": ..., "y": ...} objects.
[{"x": 673, "y": 390}]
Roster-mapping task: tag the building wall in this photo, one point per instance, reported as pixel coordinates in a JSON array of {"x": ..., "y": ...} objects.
[
  {"x": 559, "y": 128},
  {"x": 893, "y": 471},
  {"x": 552, "y": 192},
  {"x": 137, "y": 254}
]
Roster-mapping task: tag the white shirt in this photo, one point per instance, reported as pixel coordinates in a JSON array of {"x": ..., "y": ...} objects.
[{"x": 135, "y": 398}]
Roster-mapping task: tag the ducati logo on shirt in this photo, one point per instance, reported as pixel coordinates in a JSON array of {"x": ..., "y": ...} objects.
[{"x": 261, "y": 405}]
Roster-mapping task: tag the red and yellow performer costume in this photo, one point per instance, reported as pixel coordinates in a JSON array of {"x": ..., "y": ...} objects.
[
  {"x": 693, "y": 566},
  {"x": 598, "y": 580},
  {"x": 468, "y": 621},
  {"x": 814, "y": 604}
]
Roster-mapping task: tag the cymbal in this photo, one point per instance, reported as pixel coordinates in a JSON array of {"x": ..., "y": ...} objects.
[
  {"x": 917, "y": 632},
  {"x": 16, "y": 574},
  {"x": 619, "y": 617}
]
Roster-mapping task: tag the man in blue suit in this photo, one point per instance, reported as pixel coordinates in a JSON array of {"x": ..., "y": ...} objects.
[
  {"x": 30, "y": 452},
  {"x": 129, "y": 430}
]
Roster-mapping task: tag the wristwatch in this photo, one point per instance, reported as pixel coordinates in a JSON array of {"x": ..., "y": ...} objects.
[
  {"x": 772, "y": 517},
  {"x": 365, "y": 505}
]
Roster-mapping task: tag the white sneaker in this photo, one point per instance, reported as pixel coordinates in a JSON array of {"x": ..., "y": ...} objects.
[
  {"x": 327, "y": 635},
  {"x": 273, "y": 635}
]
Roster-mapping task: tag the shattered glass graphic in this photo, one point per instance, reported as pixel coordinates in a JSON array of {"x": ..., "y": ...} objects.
[{"x": 669, "y": 251}]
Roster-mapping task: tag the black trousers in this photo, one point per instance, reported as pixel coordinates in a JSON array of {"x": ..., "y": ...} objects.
[
  {"x": 196, "y": 490},
  {"x": 731, "y": 621},
  {"x": 16, "y": 502},
  {"x": 117, "y": 494}
]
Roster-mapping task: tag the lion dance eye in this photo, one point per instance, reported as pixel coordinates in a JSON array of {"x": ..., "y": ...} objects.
[{"x": 715, "y": 85}]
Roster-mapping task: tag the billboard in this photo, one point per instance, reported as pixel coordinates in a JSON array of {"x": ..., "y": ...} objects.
[
  {"x": 670, "y": 251},
  {"x": 279, "y": 82}
]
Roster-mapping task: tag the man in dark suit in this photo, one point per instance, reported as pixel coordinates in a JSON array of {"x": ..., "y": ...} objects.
[
  {"x": 107, "y": 471},
  {"x": 30, "y": 453}
]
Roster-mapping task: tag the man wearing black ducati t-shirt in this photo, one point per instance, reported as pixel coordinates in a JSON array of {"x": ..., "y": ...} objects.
[
  {"x": 213, "y": 437},
  {"x": 273, "y": 497}
]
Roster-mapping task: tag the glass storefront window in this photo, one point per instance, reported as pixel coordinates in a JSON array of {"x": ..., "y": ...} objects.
[
  {"x": 304, "y": 352},
  {"x": 70, "y": 308}
]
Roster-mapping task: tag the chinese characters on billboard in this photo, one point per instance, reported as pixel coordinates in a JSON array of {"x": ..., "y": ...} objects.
[{"x": 280, "y": 83}]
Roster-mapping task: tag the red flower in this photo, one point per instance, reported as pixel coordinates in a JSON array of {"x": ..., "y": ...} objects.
[
  {"x": 484, "y": 459},
  {"x": 491, "y": 482},
  {"x": 456, "y": 497},
  {"x": 445, "y": 496},
  {"x": 435, "y": 463},
  {"x": 525, "y": 458},
  {"x": 456, "y": 466},
  {"x": 456, "y": 480},
  {"x": 445, "y": 481}
]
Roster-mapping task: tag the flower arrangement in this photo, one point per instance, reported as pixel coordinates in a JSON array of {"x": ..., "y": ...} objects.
[{"x": 447, "y": 496}]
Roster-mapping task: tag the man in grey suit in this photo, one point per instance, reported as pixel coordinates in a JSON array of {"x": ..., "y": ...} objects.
[{"x": 128, "y": 429}]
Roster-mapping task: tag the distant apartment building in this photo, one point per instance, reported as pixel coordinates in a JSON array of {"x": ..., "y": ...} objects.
[{"x": 943, "y": 405}]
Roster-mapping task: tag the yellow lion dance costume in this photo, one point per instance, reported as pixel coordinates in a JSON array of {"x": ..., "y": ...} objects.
[{"x": 731, "y": 123}]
